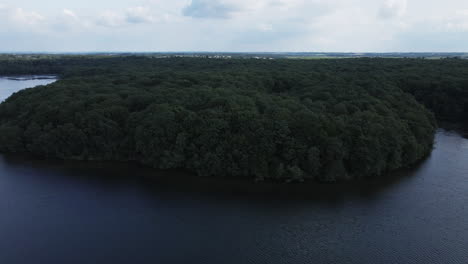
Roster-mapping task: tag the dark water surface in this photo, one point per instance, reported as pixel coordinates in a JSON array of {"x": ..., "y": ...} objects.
[{"x": 73, "y": 212}]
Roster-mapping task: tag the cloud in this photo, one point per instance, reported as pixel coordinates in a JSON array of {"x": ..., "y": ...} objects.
[
  {"x": 20, "y": 20},
  {"x": 235, "y": 25},
  {"x": 70, "y": 22},
  {"x": 457, "y": 22},
  {"x": 393, "y": 8},
  {"x": 69, "y": 13},
  {"x": 209, "y": 9},
  {"x": 110, "y": 19},
  {"x": 139, "y": 14},
  {"x": 25, "y": 17},
  {"x": 432, "y": 37},
  {"x": 133, "y": 15}
]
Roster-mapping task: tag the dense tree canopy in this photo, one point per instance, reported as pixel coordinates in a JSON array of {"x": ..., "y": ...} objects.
[{"x": 281, "y": 119}]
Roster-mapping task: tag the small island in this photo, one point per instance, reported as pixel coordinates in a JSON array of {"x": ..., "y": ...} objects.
[{"x": 276, "y": 119}]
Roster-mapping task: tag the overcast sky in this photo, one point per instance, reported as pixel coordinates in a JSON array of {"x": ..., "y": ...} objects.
[{"x": 234, "y": 25}]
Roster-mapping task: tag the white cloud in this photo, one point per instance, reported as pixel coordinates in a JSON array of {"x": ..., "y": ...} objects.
[
  {"x": 110, "y": 18},
  {"x": 69, "y": 13},
  {"x": 25, "y": 17},
  {"x": 238, "y": 25},
  {"x": 235, "y": 8},
  {"x": 133, "y": 15},
  {"x": 209, "y": 9},
  {"x": 69, "y": 21},
  {"x": 393, "y": 8},
  {"x": 265, "y": 27},
  {"x": 457, "y": 23},
  {"x": 139, "y": 14}
]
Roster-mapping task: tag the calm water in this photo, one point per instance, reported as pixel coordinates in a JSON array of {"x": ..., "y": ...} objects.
[
  {"x": 10, "y": 85},
  {"x": 70, "y": 212}
]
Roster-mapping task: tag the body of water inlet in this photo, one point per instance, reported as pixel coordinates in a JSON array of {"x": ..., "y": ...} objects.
[
  {"x": 12, "y": 84},
  {"x": 87, "y": 212}
]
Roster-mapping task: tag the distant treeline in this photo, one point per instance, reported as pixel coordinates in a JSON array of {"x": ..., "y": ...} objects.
[{"x": 281, "y": 119}]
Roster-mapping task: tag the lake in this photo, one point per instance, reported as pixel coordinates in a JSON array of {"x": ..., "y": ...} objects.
[
  {"x": 96, "y": 212},
  {"x": 10, "y": 85}
]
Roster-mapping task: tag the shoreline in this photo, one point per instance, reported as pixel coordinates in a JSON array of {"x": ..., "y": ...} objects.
[
  {"x": 29, "y": 77},
  {"x": 454, "y": 127}
]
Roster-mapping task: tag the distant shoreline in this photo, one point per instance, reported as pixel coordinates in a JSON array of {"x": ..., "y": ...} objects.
[{"x": 29, "y": 77}]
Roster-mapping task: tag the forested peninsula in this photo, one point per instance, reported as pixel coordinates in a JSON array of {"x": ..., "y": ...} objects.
[{"x": 286, "y": 120}]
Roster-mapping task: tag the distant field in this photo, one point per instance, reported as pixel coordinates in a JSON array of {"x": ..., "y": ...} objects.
[{"x": 235, "y": 55}]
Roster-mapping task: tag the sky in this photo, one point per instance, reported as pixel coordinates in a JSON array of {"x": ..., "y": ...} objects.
[{"x": 234, "y": 25}]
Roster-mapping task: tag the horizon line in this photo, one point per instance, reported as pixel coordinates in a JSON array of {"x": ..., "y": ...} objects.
[{"x": 237, "y": 52}]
